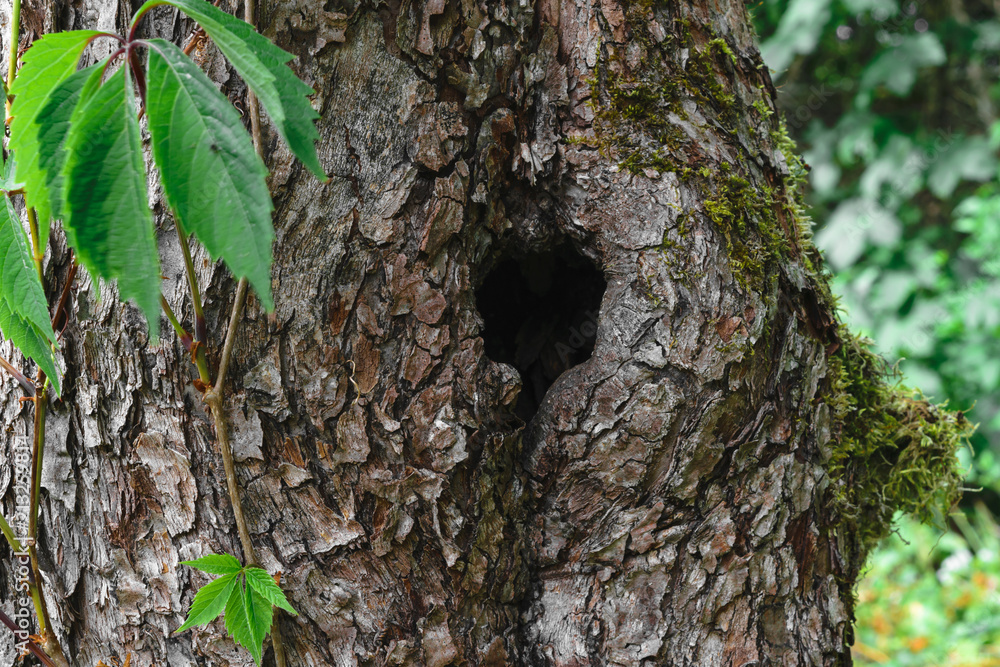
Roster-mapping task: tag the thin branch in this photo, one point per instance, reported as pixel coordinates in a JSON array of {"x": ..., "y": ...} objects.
[
  {"x": 29, "y": 388},
  {"x": 32, "y": 646}
]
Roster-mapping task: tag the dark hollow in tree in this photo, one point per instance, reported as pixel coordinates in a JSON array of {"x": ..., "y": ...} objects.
[{"x": 540, "y": 313}]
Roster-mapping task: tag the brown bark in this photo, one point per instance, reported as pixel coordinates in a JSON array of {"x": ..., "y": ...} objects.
[{"x": 665, "y": 505}]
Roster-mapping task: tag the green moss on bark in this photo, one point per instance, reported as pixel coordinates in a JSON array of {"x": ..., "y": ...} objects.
[
  {"x": 639, "y": 110},
  {"x": 736, "y": 208},
  {"x": 891, "y": 451}
]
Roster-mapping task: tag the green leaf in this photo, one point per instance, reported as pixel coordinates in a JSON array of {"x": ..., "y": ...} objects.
[
  {"x": 260, "y": 613},
  {"x": 49, "y": 60},
  {"x": 19, "y": 282},
  {"x": 25, "y": 318},
  {"x": 263, "y": 66},
  {"x": 54, "y": 127},
  {"x": 8, "y": 179},
  {"x": 241, "y": 621},
  {"x": 26, "y": 337},
  {"x": 215, "y": 564},
  {"x": 107, "y": 217},
  {"x": 211, "y": 175},
  {"x": 263, "y": 583},
  {"x": 210, "y": 600}
]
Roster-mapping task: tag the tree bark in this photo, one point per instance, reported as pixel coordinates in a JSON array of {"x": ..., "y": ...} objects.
[{"x": 667, "y": 503}]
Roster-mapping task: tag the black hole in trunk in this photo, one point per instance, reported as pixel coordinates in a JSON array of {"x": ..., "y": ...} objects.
[{"x": 540, "y": 313}]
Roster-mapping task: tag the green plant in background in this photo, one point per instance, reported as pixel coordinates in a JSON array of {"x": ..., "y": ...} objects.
[
  {"x": 245, "y": 594},
  {"x": 933, "y": 599},
  {"x": 75, "y": 134},
  {"x": 895, "y": 104}
]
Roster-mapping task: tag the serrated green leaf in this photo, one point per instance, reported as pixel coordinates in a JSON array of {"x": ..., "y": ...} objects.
[
  {"x": 211, "y": 175},
  {"x": 49, "y": 60},
  {"x": 264, "y": 67},
  {"x": 26, "y": 337},
  {"x": 8, "y": 179},
  {"x": 20, "y": 286},
  {"x": 25, "y": 321},
  {"x": 54, "y": 128},
  {"x": 260, "y": 613},
  {"x": 209, "y": 601},
  {"x": 215, "y": 564},
  {"x": 105, "y": 209},
  {"x": 240, "y": 626},
  {"x": 264, "y": 584}
]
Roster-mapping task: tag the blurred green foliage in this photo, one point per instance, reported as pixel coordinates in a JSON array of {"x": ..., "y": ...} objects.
[
  {"x": 896, "y": 108},
  {"x": 932, "y": 599}
]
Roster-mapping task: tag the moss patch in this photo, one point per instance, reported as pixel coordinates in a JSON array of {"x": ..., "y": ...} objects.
[
  {"x": 638, "y": 109},
  {"x": 736, "y": 208},
  {"x": 891, "y": 452}
]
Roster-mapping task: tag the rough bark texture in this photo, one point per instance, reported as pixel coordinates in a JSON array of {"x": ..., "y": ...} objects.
[{"x": 666, "y": 504}]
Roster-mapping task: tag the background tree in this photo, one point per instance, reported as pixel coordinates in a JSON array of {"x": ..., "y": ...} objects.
[{"x": 527, "y": 182}]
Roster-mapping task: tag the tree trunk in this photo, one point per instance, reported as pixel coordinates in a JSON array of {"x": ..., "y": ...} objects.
[{"x": 668, "y": 501}]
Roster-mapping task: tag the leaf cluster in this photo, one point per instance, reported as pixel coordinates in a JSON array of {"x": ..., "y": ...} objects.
[
  {"x": 77, "y": 138},
  {"x": 246, "y": 595}
]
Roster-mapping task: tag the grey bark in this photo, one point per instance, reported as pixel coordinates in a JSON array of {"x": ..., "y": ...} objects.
[{"x": 665, "y": 506}]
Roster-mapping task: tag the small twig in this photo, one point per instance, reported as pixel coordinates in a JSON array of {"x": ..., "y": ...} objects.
[
  {"x": 29, "y": 388},
  {"x": 32, "y": 646},
  {"x": 61, "y": 312}
]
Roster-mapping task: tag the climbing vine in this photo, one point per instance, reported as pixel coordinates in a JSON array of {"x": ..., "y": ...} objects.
[{"x": 75, "y": 155}]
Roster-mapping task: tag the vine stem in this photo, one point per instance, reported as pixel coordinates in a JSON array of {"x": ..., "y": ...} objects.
[
  {"x": 197, "y": 348},
  {"x": 199, "y": 312},
  {"x": 181, "y": 332},
  {"x": 215, "y": 397},
  {"x": 37, "y": 253},
  {"x": 15, "y": 37},
  {"x": 8, "y": 533},
  {"x": 33, "y": 589},
  {"x": 51, "y": 643}
]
